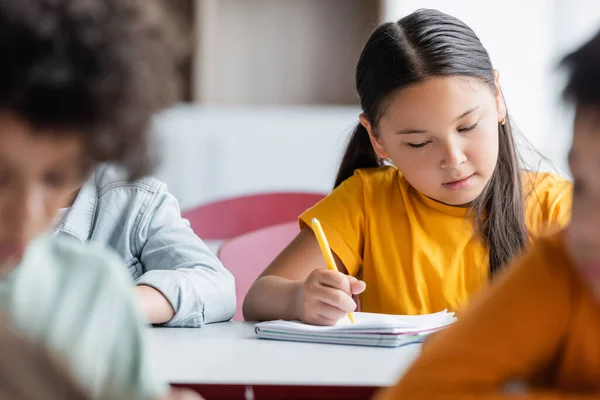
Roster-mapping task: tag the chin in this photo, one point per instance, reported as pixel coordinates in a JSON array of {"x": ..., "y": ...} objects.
[
  {"x": 461, "y": 201},
  {"x": 464, "y": 198}
]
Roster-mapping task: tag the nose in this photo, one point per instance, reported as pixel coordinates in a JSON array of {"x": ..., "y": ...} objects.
[{"x": 453, "y": 155}]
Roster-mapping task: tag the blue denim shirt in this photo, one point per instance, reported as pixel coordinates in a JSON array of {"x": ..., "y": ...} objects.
[{"x": 141, "y": 220}]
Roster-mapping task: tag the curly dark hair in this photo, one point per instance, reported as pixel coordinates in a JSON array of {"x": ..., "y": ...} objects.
[{"x": 101, "y": 68}]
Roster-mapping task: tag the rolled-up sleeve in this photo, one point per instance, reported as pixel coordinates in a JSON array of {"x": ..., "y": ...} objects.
[{"x": 179, "y": 264}]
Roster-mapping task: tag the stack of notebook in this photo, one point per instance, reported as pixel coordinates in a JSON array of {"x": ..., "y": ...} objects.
[{"x": 380, "y": 330}]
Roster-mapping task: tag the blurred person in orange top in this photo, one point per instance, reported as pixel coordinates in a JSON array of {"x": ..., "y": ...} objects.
[{"x": 535, "y": 331}]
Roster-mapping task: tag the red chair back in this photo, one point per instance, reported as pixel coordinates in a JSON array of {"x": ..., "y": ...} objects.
[
  {"x": 247, "y": 256},
  {"x": 233, "y": 217}
]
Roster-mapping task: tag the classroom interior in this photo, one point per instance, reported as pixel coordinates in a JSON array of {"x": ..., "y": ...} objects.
[{"x": 267, "y": 104}]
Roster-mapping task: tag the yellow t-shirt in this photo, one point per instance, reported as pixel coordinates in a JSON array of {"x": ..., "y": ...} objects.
[{"x": 417, "y": 255}]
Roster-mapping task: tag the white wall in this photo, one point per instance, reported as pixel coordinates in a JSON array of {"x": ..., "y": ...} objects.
[{"x": 211, "y": 153}]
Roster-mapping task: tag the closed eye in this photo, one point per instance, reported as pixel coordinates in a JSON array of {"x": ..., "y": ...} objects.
[
  {"x": 418, "y": 145},
  {"x": 469, "y": 128}
]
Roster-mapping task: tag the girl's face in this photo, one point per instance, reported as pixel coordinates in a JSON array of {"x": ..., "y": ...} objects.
[{"x": 442, "y": 135}]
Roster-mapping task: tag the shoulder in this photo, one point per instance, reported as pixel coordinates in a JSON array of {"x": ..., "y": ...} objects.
[
  {"x": 384, "y": 185},
  {"x": 373, "y": 180},
  {"x": 373, "y": 186},
  {"x": 546, "y": 191},
  {"x": 110, "y": 178},
  {"x": 542, "y": 183},
  {"x": 366, "y": 183},
  {"x": 548, "y": 200},
  {"x": 378, "y": 176}
]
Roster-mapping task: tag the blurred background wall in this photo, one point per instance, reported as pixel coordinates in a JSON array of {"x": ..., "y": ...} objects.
[{"x": 268, "y": 96}]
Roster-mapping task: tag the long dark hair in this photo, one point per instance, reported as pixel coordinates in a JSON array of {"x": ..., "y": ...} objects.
[{"x": 429, "y": 43}]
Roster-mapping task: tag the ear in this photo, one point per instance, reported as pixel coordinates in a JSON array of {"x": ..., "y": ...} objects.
[
  {"x": 500, "y": 104},
  {"x": 377, "y": 146}
]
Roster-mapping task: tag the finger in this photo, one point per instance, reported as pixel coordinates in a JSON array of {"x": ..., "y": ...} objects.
[
  {"x": 335, "y": 298},
  {"x": 329, "y": 312},
  {"x": 320, "y": 320},
  {"x": 335, "y": 280}
]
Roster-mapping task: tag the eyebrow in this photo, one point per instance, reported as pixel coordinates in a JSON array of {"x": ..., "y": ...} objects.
[
  {"x": 413, "y": 131},
  {"x": 466, "y": 113}
]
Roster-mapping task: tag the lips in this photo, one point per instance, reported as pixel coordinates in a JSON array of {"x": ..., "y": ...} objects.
[{"x": 459, "y": 184}]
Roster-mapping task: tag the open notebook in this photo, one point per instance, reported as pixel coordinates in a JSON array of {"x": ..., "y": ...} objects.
[{"x": 380, "y": 330}]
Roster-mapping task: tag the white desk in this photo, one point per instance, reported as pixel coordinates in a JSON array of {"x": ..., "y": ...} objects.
[{"x": 229, "y": 354}]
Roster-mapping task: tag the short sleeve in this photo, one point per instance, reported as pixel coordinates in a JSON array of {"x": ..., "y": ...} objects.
[
  {"x": 559, "y": 204},
  {"x": 548, "y": 203},
  {"x": 342, "y": 215}
]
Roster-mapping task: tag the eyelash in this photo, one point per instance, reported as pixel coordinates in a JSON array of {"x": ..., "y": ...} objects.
[
  {"x": 469, "y": 128},
  {"x": 463, "y": 130},
  {"x": 417, "y": 145}
]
